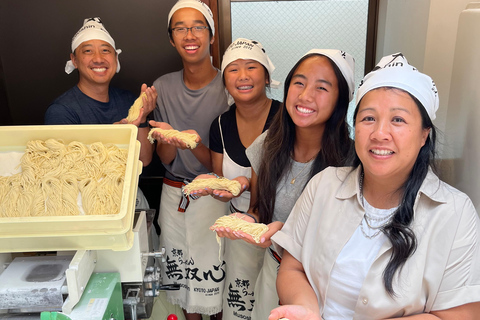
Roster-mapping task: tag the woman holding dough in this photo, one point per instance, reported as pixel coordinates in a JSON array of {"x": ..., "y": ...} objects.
[
  {"x": 246, "y": 70},
  {"x": 308, "y": 134}
]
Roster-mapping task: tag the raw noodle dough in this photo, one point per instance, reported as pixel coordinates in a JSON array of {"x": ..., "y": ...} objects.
[
  {"x": 235, "y": 223},
  {"x": 188, "y": 138},
  {"x": 53, "y": 174},
  {"x": 232, "y": 186},
  {"x": 134, "y": 110}
]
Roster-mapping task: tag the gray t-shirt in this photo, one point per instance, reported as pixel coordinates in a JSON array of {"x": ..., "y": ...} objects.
[
  {"x": 185, "y": 109},
  {"x": 287, "y": 193}
]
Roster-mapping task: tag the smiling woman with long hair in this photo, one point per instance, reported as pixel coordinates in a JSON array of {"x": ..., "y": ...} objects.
[
  {"x": 385, "y": 238},
  {"x": 308, "y": 134}
]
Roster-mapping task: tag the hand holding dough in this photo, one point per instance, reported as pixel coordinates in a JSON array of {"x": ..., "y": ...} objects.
[
  {"x": 232, "y": 186},
  {"x": 134, "y": 110},
  {"x": 188, "y": 138},
  {"x": 235, "y": 223}
]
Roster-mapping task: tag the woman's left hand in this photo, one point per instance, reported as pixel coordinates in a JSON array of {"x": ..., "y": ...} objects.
[
  {"x": 244, "y": 184},
  {"x": 265, "y": 241},
  {"x": 217, "y": 194},
  {"x": 227, "y": 232},
  {"x": 225, "y": 195}
]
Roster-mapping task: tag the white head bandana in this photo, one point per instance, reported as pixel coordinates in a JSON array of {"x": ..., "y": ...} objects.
[
  {"x": 92, "y": 29},
  {"x": 195, "y": 4},
  {"x": 394, "y": 71},
  {"x": 344, "y": 61},
  {"x": 251, "y": 50}
]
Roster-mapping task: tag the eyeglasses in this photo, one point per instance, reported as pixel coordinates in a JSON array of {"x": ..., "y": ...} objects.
[{"x": 196, "y": 31}]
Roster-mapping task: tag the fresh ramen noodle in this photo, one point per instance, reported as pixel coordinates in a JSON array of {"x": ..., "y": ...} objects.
[
  {"x": 189, "y": 139},
  {"x": 134, "y": 110},
  {"x": 232, "y": 186},
  {"x": 235, "y": 223},
  {"x": 55, "y": 175}
]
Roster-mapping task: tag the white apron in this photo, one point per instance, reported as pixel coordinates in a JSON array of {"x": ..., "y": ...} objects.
[
  {"x": 192, "y": 251},
  {"x": 243, "y": 260},
  {"x": 266, "y": 295}
]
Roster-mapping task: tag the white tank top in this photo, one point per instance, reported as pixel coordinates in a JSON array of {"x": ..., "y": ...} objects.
[{"x": 232, "y": 170}]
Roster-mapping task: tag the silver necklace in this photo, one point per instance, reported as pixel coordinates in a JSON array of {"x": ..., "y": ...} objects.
[
  {"x": 367, "y": 235},
  {"x": 369, "y": 220}
]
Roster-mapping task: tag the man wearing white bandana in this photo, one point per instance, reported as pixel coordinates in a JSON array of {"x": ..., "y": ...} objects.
[
  {"x": 189, "y": 100},
  {"x": 93, "y": 100},
  {"x": 385, "y": 238}
]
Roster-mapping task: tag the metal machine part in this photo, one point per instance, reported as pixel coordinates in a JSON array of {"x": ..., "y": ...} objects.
[
  {"x": 138, "y": 298},
  {"x": 23, "y": 316},
  {"x": 33, "y": 284},
  {"x": 67, "y": 277},
  {"x": 139, "y": 294}
]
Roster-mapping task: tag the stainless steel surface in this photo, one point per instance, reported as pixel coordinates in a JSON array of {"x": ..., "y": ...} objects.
[{"x": 33, "y": 316}]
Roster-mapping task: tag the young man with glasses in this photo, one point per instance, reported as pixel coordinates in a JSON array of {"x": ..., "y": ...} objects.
[{"x": 189, "y": 100}]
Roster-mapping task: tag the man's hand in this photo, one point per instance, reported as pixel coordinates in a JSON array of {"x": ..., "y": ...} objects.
[{"x": 149, "y": 103}]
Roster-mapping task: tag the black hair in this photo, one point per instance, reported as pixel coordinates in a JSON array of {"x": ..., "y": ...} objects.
[
  {"x": 398, "y": 231},
  {"x": 279, "y": 142}
]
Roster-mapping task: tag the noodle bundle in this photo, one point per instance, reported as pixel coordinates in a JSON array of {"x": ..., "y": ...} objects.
[
  {"x": 235, "y": 223},
  {"x": 54, "y": 175},
  {"x": 222, "y": 183},
  {"x": 189, "y": 139}
]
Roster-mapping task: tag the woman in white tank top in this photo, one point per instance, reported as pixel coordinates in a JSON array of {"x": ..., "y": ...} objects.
[{"x": 246, "y": 71}]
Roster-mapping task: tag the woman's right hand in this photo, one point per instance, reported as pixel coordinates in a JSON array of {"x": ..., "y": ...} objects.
[
  {"x": 293, "y": 312},
  {"x": 244, "y": 184}
]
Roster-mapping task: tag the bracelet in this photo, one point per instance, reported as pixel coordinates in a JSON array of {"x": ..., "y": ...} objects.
[
  {"x": 214, "y": 174},
  {"x": 251, "y": 216},
  {"x": 143, "y": 124}
]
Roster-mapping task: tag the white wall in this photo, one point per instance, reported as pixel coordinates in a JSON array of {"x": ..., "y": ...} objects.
[
  {"x": 440, "y": 46},
  {"x": 425, "y": 31},
  {"x": 402, "y": 27}
]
